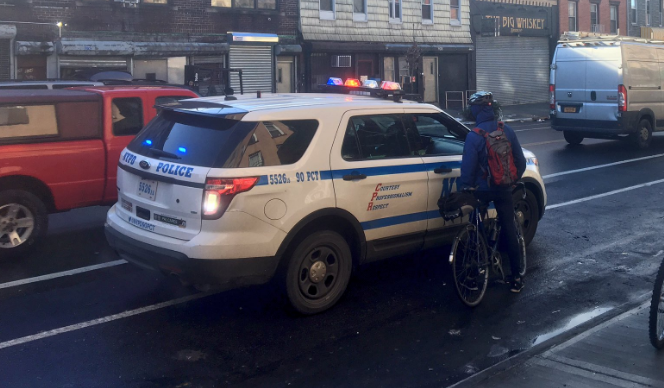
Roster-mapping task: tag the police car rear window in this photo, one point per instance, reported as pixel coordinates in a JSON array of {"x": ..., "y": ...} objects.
[{"x": 220, "y": 142}]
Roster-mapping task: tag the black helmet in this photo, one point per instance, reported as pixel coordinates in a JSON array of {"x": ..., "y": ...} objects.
[{"x": 481, "y": 98}]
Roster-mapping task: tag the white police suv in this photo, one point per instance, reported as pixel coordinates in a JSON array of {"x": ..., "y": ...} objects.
[{"x": 303, "y": 187}]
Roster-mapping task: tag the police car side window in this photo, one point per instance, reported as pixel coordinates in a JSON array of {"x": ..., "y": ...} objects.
[
  {"x": 277, "y": 143},
  {"x": 434, "y": 134},
  {"x": 375, "y": 137},
  {"x": 127, "y": 116}
]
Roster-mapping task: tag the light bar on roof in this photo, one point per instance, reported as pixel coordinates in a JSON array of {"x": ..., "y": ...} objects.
[
  {"x": 353, "y": 83},
  {"x": 389, "y": 85},
  {"x": 335, "y": 81},
  {"x": 371, "y": 84}
]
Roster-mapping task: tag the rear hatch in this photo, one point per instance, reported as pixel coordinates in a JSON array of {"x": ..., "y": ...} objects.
[{"x": 162, "y": 172}]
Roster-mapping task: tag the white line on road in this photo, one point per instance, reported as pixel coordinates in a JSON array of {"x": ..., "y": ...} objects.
[
  {"x": 542, "y": 143},
  {"x": 61, "y": 274},
  {"x": 531, "y": 129},
  {"x": 99, "y": 321},
  {"x": 604, "y": 194},
  {"x": 601, "y": 166}
]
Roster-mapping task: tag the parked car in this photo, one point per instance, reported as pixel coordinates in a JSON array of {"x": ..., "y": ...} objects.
[
  {"x": 607, "y": 89},
  {"x": 37, "y": 85},
  {"x": 59, "y": 150},
  {"x": 301, "y": 187}
]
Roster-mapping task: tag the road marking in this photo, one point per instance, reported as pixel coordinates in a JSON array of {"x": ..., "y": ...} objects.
[
  {"x": 542, "y": 143},
  {"x": 604, "y": 194},
  {"x": 601, "y": 166},
  {"x": 532, "y": 128},
  {"x": 61, "y": 274},
  {"x": 99, "y": 321}
]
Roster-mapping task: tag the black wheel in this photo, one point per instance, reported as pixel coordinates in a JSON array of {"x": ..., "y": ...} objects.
[
  {"x": 23, "y": 222},
  {"x": 657, "y": 311},
  {"x": 470, "y": 265},
  {"x": 527, "y": 212},
  {"x": 318, "y": 272},
  {"x": 522, "y": 247},
  {"x": 573, "y": 138},
  {"x": 643, "y": 135}
]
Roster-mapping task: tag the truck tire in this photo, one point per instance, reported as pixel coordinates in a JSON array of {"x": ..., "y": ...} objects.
[
  {"x": 573, "y": 138},
  {"x": 527, "y": 211},
  {"x": 23, "y": 222},
  {"x": 318, "y": 272},
  {"x": 643, "y": 135}
]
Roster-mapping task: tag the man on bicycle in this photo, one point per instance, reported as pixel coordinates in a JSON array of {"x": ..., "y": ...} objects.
[{"x": 474, "y": 167}]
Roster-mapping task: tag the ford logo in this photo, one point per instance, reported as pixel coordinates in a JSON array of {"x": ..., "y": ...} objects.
[{"x": 144, "y": 164}]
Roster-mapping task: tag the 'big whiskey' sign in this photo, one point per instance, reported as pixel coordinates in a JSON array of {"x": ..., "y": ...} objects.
[{"x": 496, "y": 19}]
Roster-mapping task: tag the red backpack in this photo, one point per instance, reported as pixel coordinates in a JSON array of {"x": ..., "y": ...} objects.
[{"x": 502, "y": 170}]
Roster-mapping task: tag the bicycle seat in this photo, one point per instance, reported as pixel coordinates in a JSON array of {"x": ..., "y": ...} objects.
[{"x": 457, "y": 204}]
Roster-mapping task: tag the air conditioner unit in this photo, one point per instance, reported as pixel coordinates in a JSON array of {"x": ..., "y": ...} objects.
[{"x": 340, "y": 61}]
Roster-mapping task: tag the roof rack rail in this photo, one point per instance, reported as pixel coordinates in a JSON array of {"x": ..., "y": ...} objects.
[{"x": 589, "y": 37}]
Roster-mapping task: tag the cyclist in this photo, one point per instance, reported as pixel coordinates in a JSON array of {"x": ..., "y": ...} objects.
[{"x": 474, "y": 164}]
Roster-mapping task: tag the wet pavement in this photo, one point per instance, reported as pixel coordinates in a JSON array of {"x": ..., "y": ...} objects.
[{"x": 400, "y": 323}]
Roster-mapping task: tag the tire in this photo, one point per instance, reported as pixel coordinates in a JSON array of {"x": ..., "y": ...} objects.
[
  {"x": 643, "y": 136},
  {"x": 657, "y": 311},
  {"x": 23, "y": 222},
  {"x": 527, "y": 211},
  {"x": 463, "y": 253},
  {"x": 573, "y": 138},
  {"x": 522, "y": 248},
  {"x": 318, "y": 272}
]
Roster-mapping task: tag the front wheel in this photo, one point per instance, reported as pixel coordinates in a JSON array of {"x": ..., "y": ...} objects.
[
  {"x": 470, "y": 265},
  {"x": 527, "y": 212},
  {"x": 318, "y": 272},
  {"x": 23, "y": 221},
  {"x": 657, "y": 311}
]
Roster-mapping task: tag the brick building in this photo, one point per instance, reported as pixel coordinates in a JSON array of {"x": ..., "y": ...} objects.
[
  {"x": 152, "y": 39},
  {"x": 598, "y": 16},
  {"x": 645, "y": 13}
]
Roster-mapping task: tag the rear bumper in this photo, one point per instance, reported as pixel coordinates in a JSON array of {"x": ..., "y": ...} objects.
[
  {"x": 624, "y": 125},
  {"x": 243, "y": 271}
]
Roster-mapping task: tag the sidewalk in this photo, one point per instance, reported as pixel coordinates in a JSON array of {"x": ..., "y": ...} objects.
[
  {"x": 616, "y": 353},
  {"x": 513, "y": 113}
]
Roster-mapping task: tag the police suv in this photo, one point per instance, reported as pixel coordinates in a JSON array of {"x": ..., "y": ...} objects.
[{"x": 299, "y": 187}]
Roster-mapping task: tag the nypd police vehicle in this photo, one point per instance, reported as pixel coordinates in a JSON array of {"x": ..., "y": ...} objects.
[{"x": 301, "y": 188}]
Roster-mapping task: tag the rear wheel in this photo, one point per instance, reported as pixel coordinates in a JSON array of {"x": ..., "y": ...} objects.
[
  {"x": 23, "y": 221},
  {"x": 318, "y": 272},
  {"x": 522, "y": 247},
  {"x": 643, "y": 137},
  {"x": 657, "y": 311},
  {"x": 470, "y": 265},
  {"x": 573, "y": 138}
]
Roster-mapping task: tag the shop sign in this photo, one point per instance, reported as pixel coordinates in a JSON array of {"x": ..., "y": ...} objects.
[{"x": 512, "y": 19}]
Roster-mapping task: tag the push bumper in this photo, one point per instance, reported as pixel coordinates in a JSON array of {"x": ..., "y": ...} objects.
[{"x": 245, "y": 271}]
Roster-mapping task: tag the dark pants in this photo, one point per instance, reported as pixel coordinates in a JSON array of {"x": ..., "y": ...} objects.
[{"x": 502, "y": 199}]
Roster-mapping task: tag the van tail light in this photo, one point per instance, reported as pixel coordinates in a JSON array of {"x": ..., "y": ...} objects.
[
  {"x": 552, "y": 97},
  {"x": 219, "y": 192},
  {"x": 622, "y": 98}
]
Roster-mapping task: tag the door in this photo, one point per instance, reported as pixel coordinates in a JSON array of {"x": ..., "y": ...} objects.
[
  {"x": 430, "y": 65},
  {"x": 381, "y": 181},
  {"x": 285, "y": 77},
  {"x": 441, "y": 147},
  {"x": 453, "y": 78}
]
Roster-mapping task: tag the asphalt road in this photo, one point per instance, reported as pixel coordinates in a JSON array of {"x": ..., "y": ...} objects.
[{"x": 105, "y": 323}]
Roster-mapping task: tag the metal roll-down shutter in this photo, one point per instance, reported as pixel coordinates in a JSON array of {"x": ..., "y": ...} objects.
[{"x": 257, "y": 66}]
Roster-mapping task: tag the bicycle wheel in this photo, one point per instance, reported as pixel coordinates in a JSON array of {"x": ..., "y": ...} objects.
[
  {"x": 522, "y": 247},
  {"x": 657, "y": 311},
  {"x": 470, "y": 266}
]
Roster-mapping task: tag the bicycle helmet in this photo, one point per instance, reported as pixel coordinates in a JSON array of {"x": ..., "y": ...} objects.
[
  {"x": 457, "y": 204},
  {"x": 481, "y": 98}
]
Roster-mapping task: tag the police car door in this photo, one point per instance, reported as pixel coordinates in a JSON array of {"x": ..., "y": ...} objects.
[
  {"x": 380, "y": 180},
  {"x": 441, "y": 147}
]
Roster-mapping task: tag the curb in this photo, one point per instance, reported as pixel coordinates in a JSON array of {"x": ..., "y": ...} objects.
[{"x": 551, "y": 343}]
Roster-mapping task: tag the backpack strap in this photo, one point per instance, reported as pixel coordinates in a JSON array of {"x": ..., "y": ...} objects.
[
  {"x": 501, "y": 126},
  {"x": 480, "y": 132}
]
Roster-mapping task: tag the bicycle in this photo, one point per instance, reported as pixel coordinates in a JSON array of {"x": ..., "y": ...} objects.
[
  {"x": 475, "y": 248},
  {"x": 656, "y": 324}
]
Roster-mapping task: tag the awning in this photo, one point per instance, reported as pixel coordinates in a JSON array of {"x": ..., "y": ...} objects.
[
  {"x": 287, "y": 49},
  {"x": 402, "y": 47},
  {"x": 348, "y": 47},
  {"x": 161, "y": 49},
  {"x": 33, "y": 48}
]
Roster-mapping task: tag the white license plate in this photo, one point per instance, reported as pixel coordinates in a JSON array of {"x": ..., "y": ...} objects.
[{"x": 147, "y": 188}]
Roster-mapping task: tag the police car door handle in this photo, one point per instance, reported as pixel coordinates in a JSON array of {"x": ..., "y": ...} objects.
[
  {"x": 352, "y": 177},
  {"x": 442, "y": 170}
]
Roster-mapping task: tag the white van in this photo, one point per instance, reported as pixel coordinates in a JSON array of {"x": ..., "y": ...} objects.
[{"x": 607, "y": 89}]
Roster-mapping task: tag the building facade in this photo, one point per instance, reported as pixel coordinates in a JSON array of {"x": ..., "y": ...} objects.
[
  {"x": 423, "y": 44},
  {"x": 177, "y": 41},
  {"x": 645, "y": 13},
  {"x": 594, "y": 16}
]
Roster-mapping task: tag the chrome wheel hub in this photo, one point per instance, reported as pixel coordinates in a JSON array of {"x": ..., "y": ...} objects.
[{"x": 317, "y": 272}]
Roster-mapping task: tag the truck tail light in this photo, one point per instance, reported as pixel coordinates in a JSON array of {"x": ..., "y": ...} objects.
[
  {"x": 622, "y": 98},
  {"x": 219, "y": 192},
  {"x": 552, "y": 97}
]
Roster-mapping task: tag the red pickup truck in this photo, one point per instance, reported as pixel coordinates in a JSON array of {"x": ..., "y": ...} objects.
[{"x": 59, "y": 150}]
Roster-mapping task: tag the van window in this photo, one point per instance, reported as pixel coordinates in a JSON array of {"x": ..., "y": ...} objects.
[
  {"x": 27, "y": 121},
  {"x": 127, "y": 115}
]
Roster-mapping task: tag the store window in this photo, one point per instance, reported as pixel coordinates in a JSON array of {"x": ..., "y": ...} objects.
[
  {"x": 427, "y": 11},
  {"x": 455, "y": 12},
  {"x": 614, "y": 19},
  {"x": 395, "y": 11},
  {"x": 571, "y": 12},
  {"x": 326, "y": 10},
  {"x": 245, "y": 4}
]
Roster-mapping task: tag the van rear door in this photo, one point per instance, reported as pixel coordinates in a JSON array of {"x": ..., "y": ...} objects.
[
  {"x": 569, "y": 72},
  {"x": 603, "y": 75}
]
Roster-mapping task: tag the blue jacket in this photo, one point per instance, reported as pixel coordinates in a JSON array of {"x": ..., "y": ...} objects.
[{"x": 475, "y": 155}]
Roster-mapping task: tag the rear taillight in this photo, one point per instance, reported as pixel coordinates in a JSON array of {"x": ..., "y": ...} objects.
[
  {"x": 622, "y": 98},
  {"x": 219, "y": 193},
  {"x": 552, "y": 97}
]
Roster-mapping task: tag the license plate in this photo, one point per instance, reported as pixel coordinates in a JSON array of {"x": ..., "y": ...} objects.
[
  {"x": 569, "y": 109},
  {"x": 147, "y": 188},
  {"x": 170, "y": 220}
]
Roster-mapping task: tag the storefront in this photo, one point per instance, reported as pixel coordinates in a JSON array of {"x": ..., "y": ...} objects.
[
  {"x": 254, "y": 54},
  {"x": 512, "y": 50}
]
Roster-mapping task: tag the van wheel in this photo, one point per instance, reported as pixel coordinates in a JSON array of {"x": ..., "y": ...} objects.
[
  {"x": 643, "y": 136},
  {"x": 318, "y": 272},
  {"x": 573, "y": 138},
  {"x": 23, "y": 221}
]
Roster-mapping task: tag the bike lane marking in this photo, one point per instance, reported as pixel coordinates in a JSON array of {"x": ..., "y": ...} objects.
[
  {"x": 56, "y": 275},
  {"x": 601, "y": 166},
  {"x": 584, "y": 199}
]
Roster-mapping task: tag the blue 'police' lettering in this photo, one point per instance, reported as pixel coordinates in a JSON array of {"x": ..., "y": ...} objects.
[
  {"x": 159, "y": 166},
  {"x": 174, "y": 169},
  {"x": 189, "y": 170}
]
